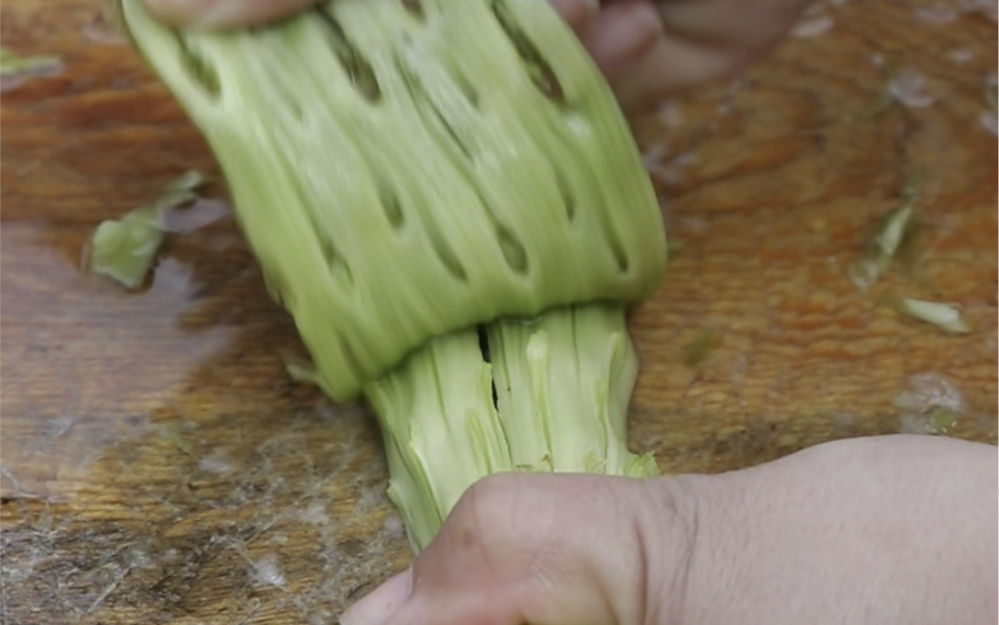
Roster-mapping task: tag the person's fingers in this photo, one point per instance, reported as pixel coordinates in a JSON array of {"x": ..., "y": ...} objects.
[
  {"x": 754, "y": 26},
  {"x": 381, "y": 604},
  {"x": 699, "y": 42},
  {"x": 224, "y": 13},
  {"x": 577, "y": 13},
  {"x": 545, "y": 550},
  {"x": 621, "y": 35},
  {"x": 671, "y": 66}
]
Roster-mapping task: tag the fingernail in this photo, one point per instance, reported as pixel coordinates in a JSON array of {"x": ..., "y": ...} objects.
[{"x": 382, "y": 604}]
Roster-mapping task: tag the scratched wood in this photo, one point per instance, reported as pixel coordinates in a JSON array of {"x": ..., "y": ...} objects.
[{"x": 159, "y": 467}]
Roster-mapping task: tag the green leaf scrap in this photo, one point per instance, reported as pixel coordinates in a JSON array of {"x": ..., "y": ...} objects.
[
  {"x": 125, "y": 249},
  {"x": 13, "y": 64},
  {"x": 894, "y": 229}
]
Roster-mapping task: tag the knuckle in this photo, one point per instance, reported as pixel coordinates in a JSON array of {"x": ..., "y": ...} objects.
[{"x": 503, "y": 519}]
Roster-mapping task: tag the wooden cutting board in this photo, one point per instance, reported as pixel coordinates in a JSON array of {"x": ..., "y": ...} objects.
[{"x": 158, "y": 466}]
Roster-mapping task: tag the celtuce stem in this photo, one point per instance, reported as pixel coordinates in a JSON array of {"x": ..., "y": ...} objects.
[{"x": 561, "y": 384}]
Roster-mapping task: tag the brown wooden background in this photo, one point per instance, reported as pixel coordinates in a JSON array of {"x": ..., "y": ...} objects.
[{"x": 159, "y": 467}]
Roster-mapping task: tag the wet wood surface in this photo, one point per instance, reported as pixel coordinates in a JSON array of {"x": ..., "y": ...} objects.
[{"x": 158, "y": 465}]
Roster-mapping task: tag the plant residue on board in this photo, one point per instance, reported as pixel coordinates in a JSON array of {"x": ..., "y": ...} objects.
[
  {"x": 931, "y": 405},
  {"x": 15, "y": 68},
  {"x": 125, "y": 249},
  {"x": 704, "y": 343},
  {"x": 893, "y": 231},
  {"x": 990, "y": 118},
  {"x": 894, "y": 238},
  {"x": 944, "y": 315}
]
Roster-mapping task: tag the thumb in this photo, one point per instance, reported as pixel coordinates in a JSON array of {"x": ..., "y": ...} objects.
[{"x": 546, "y": 550}]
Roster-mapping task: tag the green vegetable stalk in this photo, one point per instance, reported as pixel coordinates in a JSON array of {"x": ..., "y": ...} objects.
[
  {"x": 445, "y": 196},
  {"x": 553, "y": 398}
]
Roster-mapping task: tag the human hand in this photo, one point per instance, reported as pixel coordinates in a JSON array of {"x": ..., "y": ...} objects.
[
  {"x": 883, "y": 530},
  {"x": 646, "y": 49}
]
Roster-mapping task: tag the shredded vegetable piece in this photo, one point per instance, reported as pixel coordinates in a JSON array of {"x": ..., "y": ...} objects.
[
  {"x": 943, "y": 315},
  {"x": 301, "y": 371},
  {"x": 700, "y": 349},
  {"x": 812, "y": 26},
  {"x": 991, "y": 114},
  {"x": 890, "y": 235},
  {"x": 13, "y": 64},
  {"x": 125, "y": 249}
]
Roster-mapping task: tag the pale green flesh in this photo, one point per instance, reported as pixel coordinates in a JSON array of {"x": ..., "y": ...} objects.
[
  {"x": 454, "y": 193},
  {"x": 563, "y": 383},
  {"x": 941, "y": 314}
]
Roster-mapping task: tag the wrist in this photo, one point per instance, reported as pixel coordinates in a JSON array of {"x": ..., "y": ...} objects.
[{"x": 669, "y": 538}]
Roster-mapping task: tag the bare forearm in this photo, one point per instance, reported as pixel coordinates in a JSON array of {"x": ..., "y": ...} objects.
[{"x": 897, "y": 529}]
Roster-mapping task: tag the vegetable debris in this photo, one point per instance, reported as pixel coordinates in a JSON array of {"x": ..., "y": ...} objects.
[
  {"x": 13, "y": 64},
  {"x": 450, "y": 203},
  {"x": 125, "y": 249},
  {"x": 15, "y": 69},
  {"x": 943, "y": 315},
  {"x": 700, "y": 349},
  {"x": 991, "y": 114},
  {"x": 888, "y": 237},
  {"x": 931, "y": 405},
  {"x": 909, "y": 89}
]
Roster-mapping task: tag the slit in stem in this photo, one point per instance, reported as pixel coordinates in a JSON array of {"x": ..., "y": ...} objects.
[
  {"x": 423, "y": 101},
  {"x": 568, "y": 199},
  {"x": 486, "y": 357},
  {"x": 513, "y": 250},
  {"x": 538, "y": 68},
  {"x": 446, "y": 255},
  {"x": 361, "y": 74},
  {"x": 415, "y": 8},
  {"x": 620, "y": 255},
  {"x": 391, "y": 206},
  {"x": 199, "y": 68}
]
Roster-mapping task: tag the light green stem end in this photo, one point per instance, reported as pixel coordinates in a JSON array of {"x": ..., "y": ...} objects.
[{"x": 561, "y": 385}]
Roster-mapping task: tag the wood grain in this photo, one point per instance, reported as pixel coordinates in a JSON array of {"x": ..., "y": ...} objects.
[{"x": 158, "y": 465}]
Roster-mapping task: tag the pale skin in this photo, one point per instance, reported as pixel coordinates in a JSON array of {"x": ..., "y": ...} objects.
[{"x": 897, "y": 529}]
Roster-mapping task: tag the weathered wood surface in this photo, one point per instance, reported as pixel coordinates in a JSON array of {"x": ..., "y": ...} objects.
[{"x": 159, "y": 466}]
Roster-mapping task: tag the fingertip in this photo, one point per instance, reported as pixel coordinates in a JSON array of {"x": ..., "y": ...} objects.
[
  {"x": 622, "y": 35},
  {"x": 579, "y": 14},
  {"x": 174, "y": 11},
  {"x": 383, "y": 603}
]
